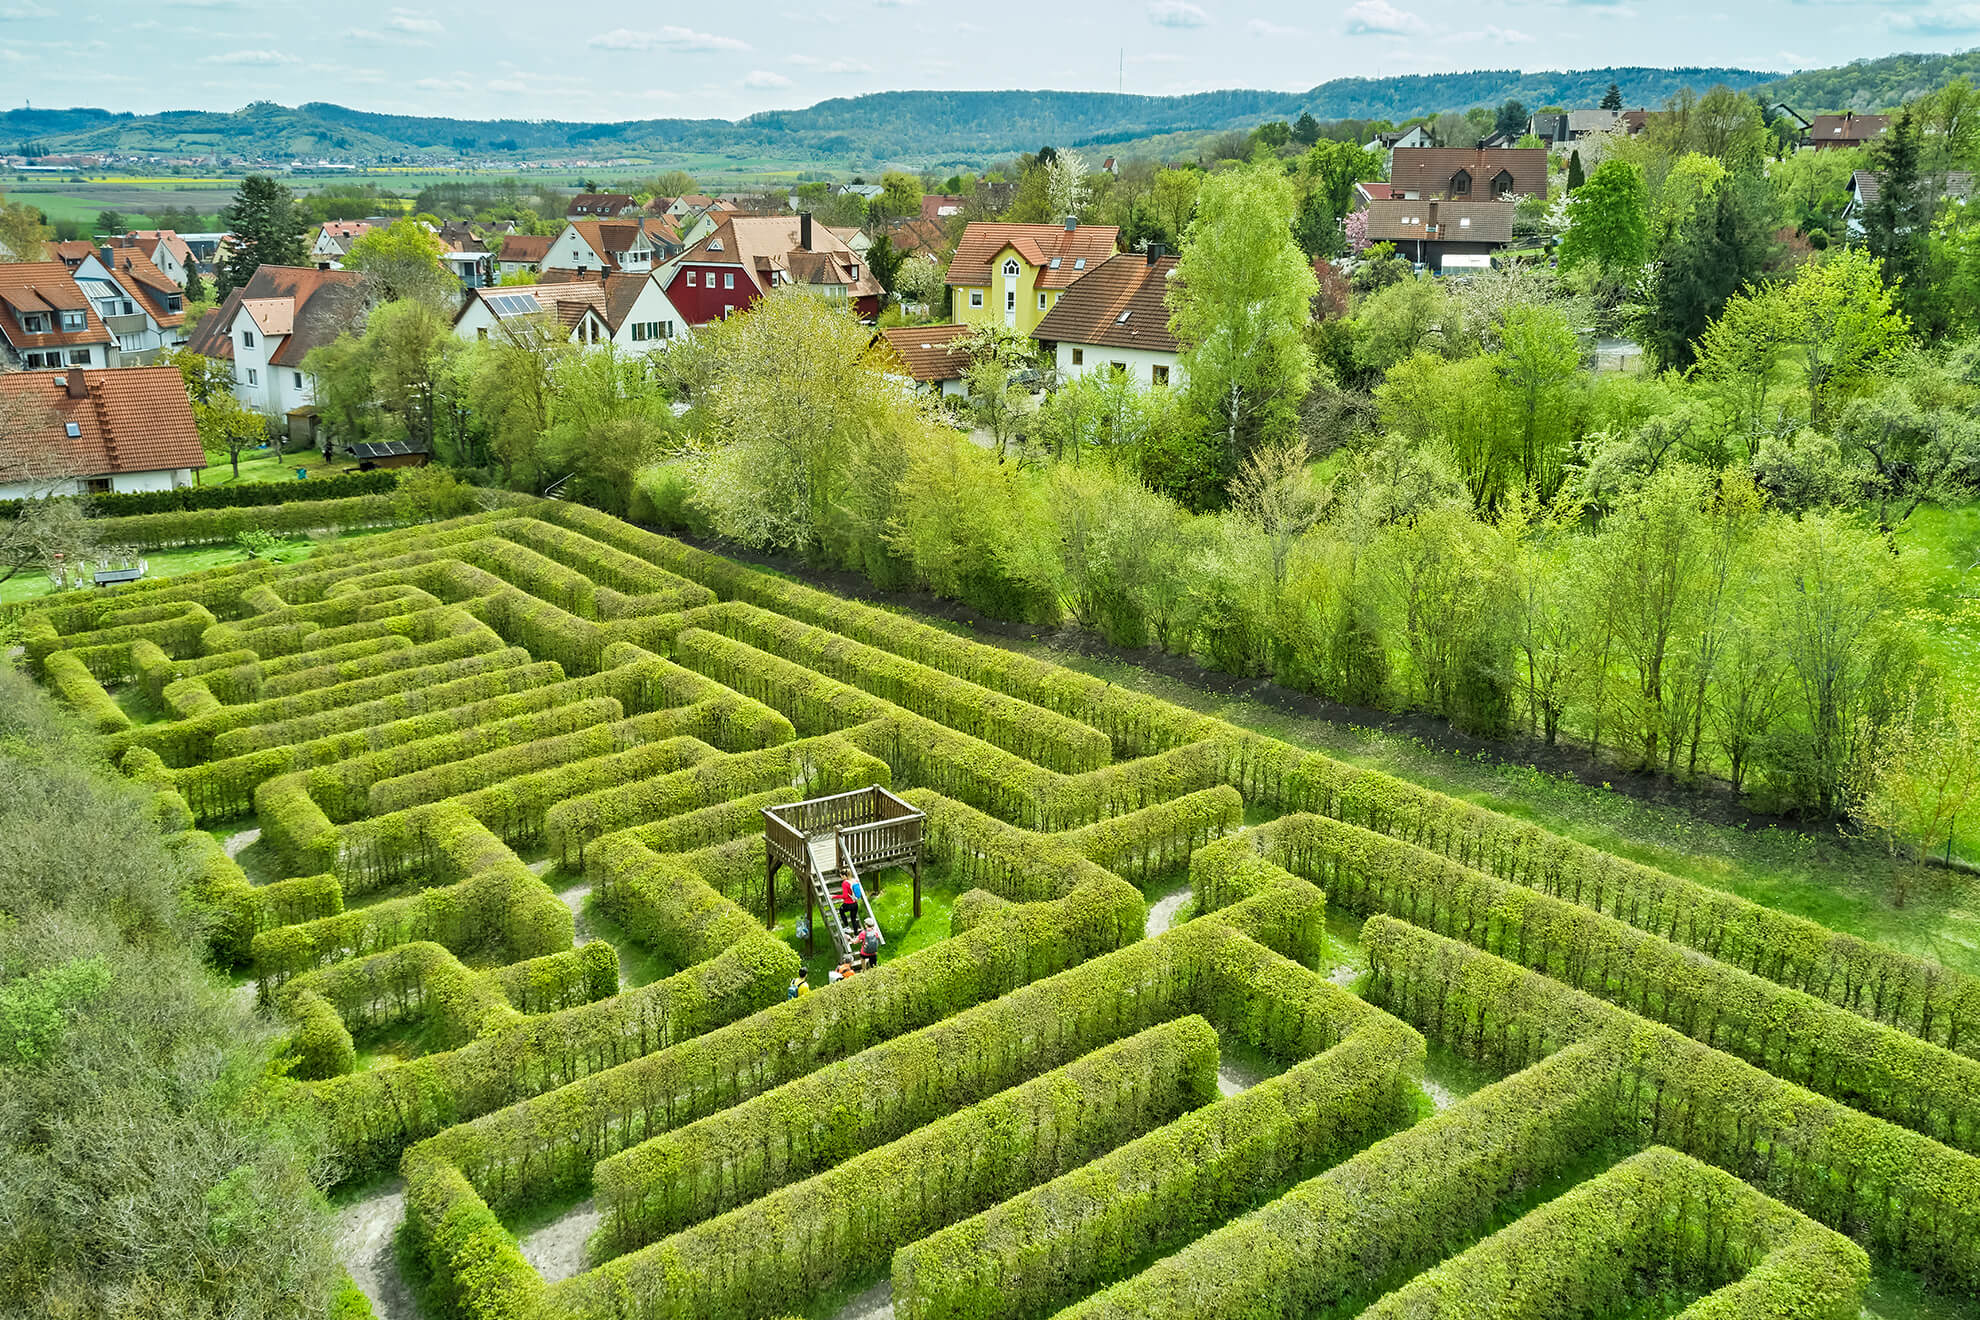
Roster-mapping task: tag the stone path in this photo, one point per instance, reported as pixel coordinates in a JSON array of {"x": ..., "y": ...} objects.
[
  {"x": 1163, "y": 913},
  {"x": 557, "y": 1249},
  {"x": 1440, "y": 1095},
  {"x": 1234, "y": 1077},
  {"x": 365, "y": 1230},
  {"x": 876, "y": 1303},
  {"x": 237, "y": 844}
]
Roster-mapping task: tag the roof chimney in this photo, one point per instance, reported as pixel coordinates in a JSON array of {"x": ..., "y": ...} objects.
[
  {"x": 109, "y": 255},
  {"x": 804, "y": 231},
  {"x": 78, "y": 387},
  {"x": 1156, "y": 251},
  {"x": 1072, "y": 223}
]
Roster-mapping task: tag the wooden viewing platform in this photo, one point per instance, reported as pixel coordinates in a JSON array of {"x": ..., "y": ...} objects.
[{"x": 823, "y": 838}]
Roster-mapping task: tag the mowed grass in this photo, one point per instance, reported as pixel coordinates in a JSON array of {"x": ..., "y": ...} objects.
[{"x": 32, "y": 584}]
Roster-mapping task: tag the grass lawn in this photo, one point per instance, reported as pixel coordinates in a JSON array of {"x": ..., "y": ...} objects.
[
  {"x": 31, "y": 585},
  {"x": 265, "y": 465},
  {"x": 1947, "y": 543}
]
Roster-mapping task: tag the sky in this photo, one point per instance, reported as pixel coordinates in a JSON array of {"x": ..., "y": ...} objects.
[{"x": 511, "y": 58}]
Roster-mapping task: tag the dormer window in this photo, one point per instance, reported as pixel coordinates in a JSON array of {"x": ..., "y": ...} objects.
[
  {"x": 1502, "y": 185},
  {"x": 1011, "y": 269},
  {"x": 73, "y": 321},
  {"x": 34, "y": 323},
  {"x": 1461, "y": 184},
  {"x": 714, "y": 245}
]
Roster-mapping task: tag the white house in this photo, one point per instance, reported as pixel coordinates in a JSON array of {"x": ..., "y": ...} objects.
[
  {"x": 333, "y": 242},
  {"x": 929, "y": 357},
  {"x": 141, "y": 307},
  {"x": 86, "y": 432},
  {"x": 1115, "y": 318},
  {"x": 266, "y": 329},
  {"x": 164, "y": 248},
  {"x": 593, "y": 247},
  {"x": 629, "y": 310},
  {"x": 47, "y": 321}
]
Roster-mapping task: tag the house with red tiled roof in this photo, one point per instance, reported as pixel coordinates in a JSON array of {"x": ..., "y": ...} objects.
[
  {"x": 142, "y": 308},
  {"x": 1837, "y": 132},
  {"x": 163, "y": 248},
  {"x": 46, "y": 320},
  {"x": 333, "y": 242},
  {"x": 928, "y": 355},
  {"x": 629, "y": 310},
  {"x": 594, "y": 247},
  {"x": 600, "y": 206},
  {"x": 1116, "y": 319},
  {"x": 1463, "y": 174},
  {"x": 267, "y": 327},
  {"x": 749, "y": 255},
  {"x": 1011, "y": 274},
  {"x": 522, "y": 254},
  {"x": 83, "y": 431}
]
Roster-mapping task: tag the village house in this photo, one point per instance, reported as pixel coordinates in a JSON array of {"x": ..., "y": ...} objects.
[
  {"x": 143, "y": 310},
  {"x": 1116, "y": 319},
  {"x": 333, "y": 242},
  {"x": 1839, "y": 132},
  {"x": 89, "y": 432},
  {"x": 163, "y": 248},
  {"x": 629, "y": 310},
  {"x": 600, "y": 206},
  {"x": 522, "y": 254},
  {"x": 1465, "y": 174},
  {"x": 596, "y": 247},
  {"x": 265, "y": 329},
  {"x": 463, "y": 253},
  {"x": 1442, "y": 236},
  {"x": 747, "y": 256},
  {"x": 928, "y": 355},
  {"x": 47, "y": 321},
  {"x": 1013, "y": 274}
]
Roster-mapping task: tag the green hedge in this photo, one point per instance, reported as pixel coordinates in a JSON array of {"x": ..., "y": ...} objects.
[
  {"x": 840, "y": 1224},
  {"x": 78, "y": 687},
  {"x": 477, "y": 683},
  {"x": 184, "y": 499},
  {"x": 1909, "y": 1199},
  {"x": 1657, "y": 1223},
  {"x": 217, "y": 526},
  {"x": 1795, "y": 1036},
  {"x": 1017, "y": 726}
]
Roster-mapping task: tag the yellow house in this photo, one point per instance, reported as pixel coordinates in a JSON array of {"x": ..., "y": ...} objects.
[{"x": 1012, "y": 275}]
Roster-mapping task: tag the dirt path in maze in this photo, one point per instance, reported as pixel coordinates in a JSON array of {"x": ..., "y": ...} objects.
[
  {"x": 366, "y": 1230},
  {"x": 557, "y": 1249},
  {"x": 876, "y": 1303}
]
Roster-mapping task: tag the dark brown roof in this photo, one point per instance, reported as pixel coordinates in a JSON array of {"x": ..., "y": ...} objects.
[
  {"x": 622, "y": 290},
  {"x": 1397, "y": 221},
  {"x": 526, "y": 247},
  {"x": 915, "y": 237},
  {"x": 924, "y": 350},
  {"x": 1076, "y": 250},
  {"x": 1429, "y": 171},
  {"x": 1119, "y": 305},
  {"x": 133, "y": 419},
  {"x": 322, "y": 304},
  {"x": 1834, "y": 130},
  {"x": 599, "y": 204},
  {"x": 28, "y": 287}
]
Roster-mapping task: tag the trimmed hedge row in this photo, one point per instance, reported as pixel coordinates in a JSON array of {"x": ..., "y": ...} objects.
[
  {"x": 1795, "y": 1036},
  {"x": 377, "y": 656},
  {"x": 186, "y": 499},
  {"x": 1657, "y": 1222},
  {"x": 415, "y": 982},
  {"x": 612, "y": 569},
  {"x": 215, "y": 526},
  {"x": 1906, "y": 1197},
  {"x": 477, "y": 682},
  {"x": 78, "y": 687},
  {"x": 1032, "y": 732},
  {"x": 841, "y": 1223},
  {"x": 465, "y": 774},
  {"x": 154, "y": 670},
  {"x": 558, "y": 981},
  {"x": 177, "y": 633},
  {"x": 240, "y": 909},
  {"x": 810, "y": 767}
]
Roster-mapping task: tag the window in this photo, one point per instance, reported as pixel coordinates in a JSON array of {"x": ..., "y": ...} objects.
[
  {"x": 728, "y": 279},
  {"x": 1041, "y": 302},
  {"x": 1502, "y": 185},
  {"x": 1160, "y": 375},
  {"x": 97, "y": 486},
  {"x": 1079, "y": 263},
  {"x": 1010, "y": 300},
  {"x": 73, "y": 430},
  {"x": 1011, "y": 269},
  {"x": 253, "y": 379},
  {"x": 639, "y": 331},
  {"x": 174, "y": 303},
  {"x": 1079, "y": 357},
  {"x": 690, "y": 279},
  {"x": 1119, "y": 369},
  {"x": 666, "y": 329},
  {"x": 32, "y": 360},
  {"x": 855, "y": 270},
  {"x": 1464, "y": 222},
  {"x": 1461, "y": 184},
  {"x": 976, "y": 297},
  {"x": 127, "y": 307},
  {"x": 481, "y": 333},
  {"x": 298, "y": 380},
  {"x": 79, "y": 357},
  {"x": 36, "y": 324},
  {"x": 75, "y": 320},
  {"x": 1122, "y": 319},
  {"x": 728, "y": 310},
  {"x": 247, "y": 339}
]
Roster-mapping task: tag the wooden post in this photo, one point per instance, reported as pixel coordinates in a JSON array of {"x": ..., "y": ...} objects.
[
  {"x": 770, "y": 889},
  {"x": 810, "y": 923},
  {"x": 917, "y": 886}
]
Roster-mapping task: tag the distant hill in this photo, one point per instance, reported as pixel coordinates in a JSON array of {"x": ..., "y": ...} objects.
[{"x": 924, "y": 129}]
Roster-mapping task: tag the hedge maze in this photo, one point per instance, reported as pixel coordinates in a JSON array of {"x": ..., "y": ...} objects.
[{"x": 450, "y": 735}]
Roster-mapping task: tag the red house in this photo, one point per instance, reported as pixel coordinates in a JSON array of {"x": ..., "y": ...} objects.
[{"x": 748, "y": 255}]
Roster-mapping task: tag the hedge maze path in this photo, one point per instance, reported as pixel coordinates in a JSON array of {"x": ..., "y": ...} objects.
[{"x": 456, "y": 739}]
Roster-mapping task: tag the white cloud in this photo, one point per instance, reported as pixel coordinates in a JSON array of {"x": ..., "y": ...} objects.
[
  {"x": 1506, "y": 36},
  {"x": 410, "y": 20},
  {"x": 830, "y": 66},
  {"x": 1156, "y": 57},
  {"x": 456, "y": 85},
  {"x": 22, "y": 13},
  {"x": 1943, "y": 20},
  {"x": 262, "y": 58},
  {"x": 1177, "y": 14},
  {"x": 894, "y": 4},
  {"x": 764, "y": 80},
  {"x": 1379, "y": 17},
  {"x": 665, "y": 38},
  {"x": 1259, "y": 27}
]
